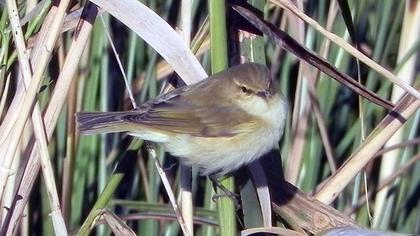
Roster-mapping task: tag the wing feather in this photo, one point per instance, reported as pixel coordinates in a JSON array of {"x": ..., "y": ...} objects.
[{"x": 178, "y": 114}]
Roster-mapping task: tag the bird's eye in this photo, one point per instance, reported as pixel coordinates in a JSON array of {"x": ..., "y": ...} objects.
[{"x": 244, "y": 89}]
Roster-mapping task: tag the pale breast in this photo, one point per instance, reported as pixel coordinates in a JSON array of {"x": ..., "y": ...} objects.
[{"x": 222, "y": 155}]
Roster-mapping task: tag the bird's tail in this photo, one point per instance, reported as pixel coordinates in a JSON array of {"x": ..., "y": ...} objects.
[{"x": 101, "y": 122}]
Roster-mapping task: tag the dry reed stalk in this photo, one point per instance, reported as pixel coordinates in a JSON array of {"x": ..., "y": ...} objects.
[
  {"x": 29, "y": 99},
  {"x": 366, "y": 151},
  {"x": 350, "y": 49},
  {"x": 391, "y": 160},
  {"x": 57, "y": 101},
  {"x": 186, "y": 172}
]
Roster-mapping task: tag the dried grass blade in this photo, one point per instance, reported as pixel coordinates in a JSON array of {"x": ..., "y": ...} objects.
[
  {"x": 4, "y": 95},
  {"x": 366, "y": 151},
  {"x": 57, "y": 100},
  {"x": 169, "y": 191},
  {"x": 159, "y": 34},
  {"x": 117, "y": 224},
  {"x": 350, "y": 49},
  {"x": 291, "y": 45},
  {"x": 263, "y": 192},
  {"x": 186, "y": 171},
  {"x": 56, "y": 215},
  {"x": 271, "y": 230}
]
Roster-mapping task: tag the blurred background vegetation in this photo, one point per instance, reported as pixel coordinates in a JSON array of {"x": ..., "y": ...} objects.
[{"x": 320, "y": 135}]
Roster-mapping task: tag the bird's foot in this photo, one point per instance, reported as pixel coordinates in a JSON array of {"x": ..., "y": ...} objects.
[{"x": 225, "y": 193}]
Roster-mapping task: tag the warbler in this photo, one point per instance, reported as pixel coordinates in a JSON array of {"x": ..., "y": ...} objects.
[{"x": 216, "y": 125}]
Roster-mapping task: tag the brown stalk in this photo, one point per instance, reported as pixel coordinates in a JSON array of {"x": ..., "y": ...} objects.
[
  {"x": 291, "y": 45},
  {"x": 350, "y": 49},
  {"x": 366, "y": 151},
  {"x": 322, "y": 130},
  {"x": 298, "y": 210}
]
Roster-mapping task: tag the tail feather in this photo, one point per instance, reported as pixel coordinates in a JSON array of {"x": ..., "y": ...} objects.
[{"x": 101, "y": 122}]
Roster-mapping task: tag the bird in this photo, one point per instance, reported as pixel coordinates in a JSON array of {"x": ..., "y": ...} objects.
[{"x": 216, "y": 125}]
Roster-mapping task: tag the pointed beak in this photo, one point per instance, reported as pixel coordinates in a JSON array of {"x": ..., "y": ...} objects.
[
  {"x": 269, "y": 92},
  {"x": 264, "y": 94}
]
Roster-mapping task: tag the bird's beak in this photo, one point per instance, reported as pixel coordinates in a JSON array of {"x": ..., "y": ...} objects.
[{"x": 264, "y": 94}]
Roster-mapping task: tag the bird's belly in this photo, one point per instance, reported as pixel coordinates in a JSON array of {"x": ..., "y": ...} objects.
[{"x": 222, "y": 155}]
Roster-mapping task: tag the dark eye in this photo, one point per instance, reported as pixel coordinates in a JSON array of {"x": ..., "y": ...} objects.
[{"x": 244, "y": 89}]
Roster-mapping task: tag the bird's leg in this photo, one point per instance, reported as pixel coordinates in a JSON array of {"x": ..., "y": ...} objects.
[{"x": 226, "y": 192}]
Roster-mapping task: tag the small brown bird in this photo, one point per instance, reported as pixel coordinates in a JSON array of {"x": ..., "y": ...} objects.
[{"x": 216, "y": 125}]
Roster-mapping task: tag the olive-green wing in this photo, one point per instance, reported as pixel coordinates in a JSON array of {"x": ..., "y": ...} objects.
[{"x": 178, "y": 114}]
